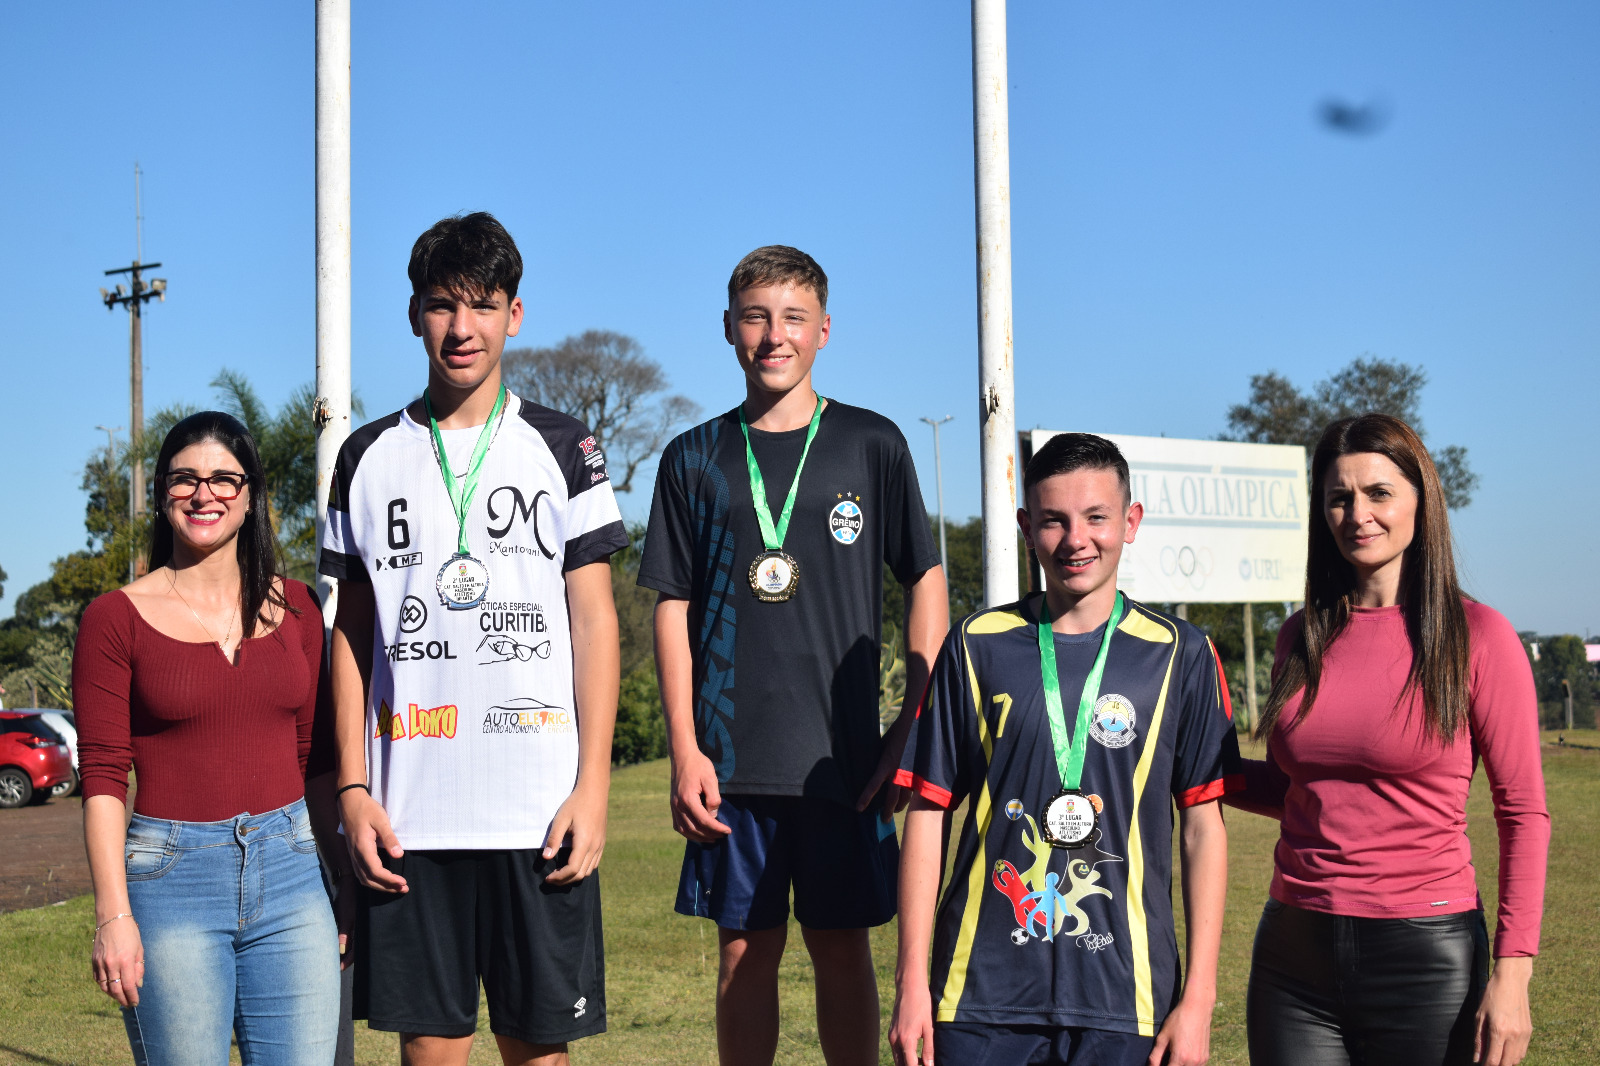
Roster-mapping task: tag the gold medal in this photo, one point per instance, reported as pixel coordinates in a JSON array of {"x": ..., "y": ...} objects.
[{"x": 774, "y": 576}]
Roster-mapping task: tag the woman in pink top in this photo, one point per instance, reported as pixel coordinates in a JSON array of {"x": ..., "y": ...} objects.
[{"x": 1387, "y": 689}]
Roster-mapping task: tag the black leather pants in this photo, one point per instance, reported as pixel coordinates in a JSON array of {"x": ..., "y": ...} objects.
[{"x": 1327, "y": 990}]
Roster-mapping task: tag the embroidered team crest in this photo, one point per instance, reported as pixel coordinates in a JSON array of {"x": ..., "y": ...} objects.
[
  {"x": 1113, "y": 721},
  {"x": 845, "y": 521}
]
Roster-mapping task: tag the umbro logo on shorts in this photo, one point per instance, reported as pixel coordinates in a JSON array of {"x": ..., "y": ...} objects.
[{"x": 581, "y": 1007}]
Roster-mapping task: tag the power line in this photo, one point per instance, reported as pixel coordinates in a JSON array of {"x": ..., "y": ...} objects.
[{"x": 134, "y": 296}]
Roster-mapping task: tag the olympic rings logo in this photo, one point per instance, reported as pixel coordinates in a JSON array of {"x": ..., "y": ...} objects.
[{"x": 1186, "y": 566}]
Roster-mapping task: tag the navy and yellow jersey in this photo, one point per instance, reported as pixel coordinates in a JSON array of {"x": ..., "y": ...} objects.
[{"x": 1028, "y": 934}]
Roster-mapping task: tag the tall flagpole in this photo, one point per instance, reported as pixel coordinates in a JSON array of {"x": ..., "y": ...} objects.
[
  {"x": 332, "y": 410},
  {"x": 996, "y": 408}
]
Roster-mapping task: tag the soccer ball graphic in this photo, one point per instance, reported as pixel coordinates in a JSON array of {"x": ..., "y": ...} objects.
[{"x": 1019, "y": 936}]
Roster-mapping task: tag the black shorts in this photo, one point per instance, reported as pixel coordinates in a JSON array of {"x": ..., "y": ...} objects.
[
  {"x": 488, "y": 914},
  {"x": 972, "y": 1044}
]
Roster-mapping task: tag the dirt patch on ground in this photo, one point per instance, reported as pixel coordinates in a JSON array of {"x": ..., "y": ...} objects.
[{"x": 43, "y": 860}]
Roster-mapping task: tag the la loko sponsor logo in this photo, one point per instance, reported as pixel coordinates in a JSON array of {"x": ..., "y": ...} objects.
[{"x": 436, "y": 722}]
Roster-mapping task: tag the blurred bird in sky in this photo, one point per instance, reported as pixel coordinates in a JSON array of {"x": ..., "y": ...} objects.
[{"x": 1360, "y": 120}]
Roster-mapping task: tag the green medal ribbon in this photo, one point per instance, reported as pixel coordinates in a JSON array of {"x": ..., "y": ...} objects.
[
  {"x": 1070, "y": 749},
  {"x": 461, "y": 495},
  {"x": 772, "y": 535}
]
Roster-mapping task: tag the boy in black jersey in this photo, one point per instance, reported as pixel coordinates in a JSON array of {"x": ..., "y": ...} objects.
[
  {"x": 769, "y": 531},
  {"x": 1055, "y": 940}
]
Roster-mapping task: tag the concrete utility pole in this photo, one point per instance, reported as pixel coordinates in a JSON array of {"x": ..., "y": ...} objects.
[
  {"x": 938, "y": 480},
  {"x": 996, "y": 410},
  {"x": 332, "y": 409},
  {"x": 134, "y": 300},
  {"x": 1249, "y": 666}
]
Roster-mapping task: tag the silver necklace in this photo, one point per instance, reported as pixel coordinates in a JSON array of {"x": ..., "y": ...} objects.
[
  {"x": 492, "y": 437},
  {"x": 222, "y": 645}
]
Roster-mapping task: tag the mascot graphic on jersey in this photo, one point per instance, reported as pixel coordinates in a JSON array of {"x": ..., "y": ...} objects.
[{"x": 1043, "y": 899}]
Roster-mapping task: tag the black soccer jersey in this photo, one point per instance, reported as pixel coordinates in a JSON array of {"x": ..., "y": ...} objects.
[
  {"x": 786, "y": 694},
  {"x": 1028, "y": 934}
]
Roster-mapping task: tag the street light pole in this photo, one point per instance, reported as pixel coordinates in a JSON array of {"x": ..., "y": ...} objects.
[
  {"x": 996, "y": 400},
  {"x": 111, "y": 439},
  {"x": 111, "y": 456},
  {"x": 938, "y": 480}
]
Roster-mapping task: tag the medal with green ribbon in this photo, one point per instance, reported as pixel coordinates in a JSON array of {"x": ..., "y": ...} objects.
[
  {"x": 774, "y": 576},
  {"x": 463, "y": 581},
  {"x": 1070, "y": 816}
]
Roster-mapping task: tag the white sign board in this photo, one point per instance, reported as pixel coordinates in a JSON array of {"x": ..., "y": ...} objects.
[{"x": 1223, "y": 522}]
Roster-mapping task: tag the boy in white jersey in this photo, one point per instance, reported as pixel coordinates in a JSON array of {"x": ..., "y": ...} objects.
[{"x": 475, "y": 675}]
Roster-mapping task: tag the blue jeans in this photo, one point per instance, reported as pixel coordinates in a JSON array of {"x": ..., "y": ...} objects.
[{"x": 239, "y": 939}]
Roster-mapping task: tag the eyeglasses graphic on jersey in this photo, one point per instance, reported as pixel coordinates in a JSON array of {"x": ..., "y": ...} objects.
[
  {"x": 223, "y": 486},
  {"x": 503, "y": 649}
]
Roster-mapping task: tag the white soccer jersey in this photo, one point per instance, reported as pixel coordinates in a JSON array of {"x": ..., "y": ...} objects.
[{"x": 472, "y": 733}]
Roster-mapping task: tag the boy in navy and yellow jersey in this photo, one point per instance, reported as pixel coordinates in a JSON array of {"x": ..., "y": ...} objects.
[{"x": 1054, "y": 941}]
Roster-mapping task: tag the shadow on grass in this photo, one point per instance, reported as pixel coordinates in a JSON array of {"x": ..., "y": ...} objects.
[{"x": 31, "y": 1057}]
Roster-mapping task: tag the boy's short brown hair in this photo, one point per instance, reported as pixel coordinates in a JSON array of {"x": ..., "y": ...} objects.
[{"x": 779, "y": 264}]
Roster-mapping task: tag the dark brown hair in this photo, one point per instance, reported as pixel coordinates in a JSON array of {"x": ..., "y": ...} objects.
[
  {"x": 1066, "y": 452},
  {"x": 1430, "y": 595},
  {"x": 472, "y": 255},
  {"x": 260, "y": 565},
  {"x": 779, "y": 264}
]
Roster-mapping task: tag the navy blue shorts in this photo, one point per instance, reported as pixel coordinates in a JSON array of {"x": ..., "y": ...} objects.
[
  {"x": 844, "y": 866},
  {"x": 1037, "y": 1045}
]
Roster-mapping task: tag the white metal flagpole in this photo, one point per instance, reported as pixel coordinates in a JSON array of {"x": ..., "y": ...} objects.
[
  {"x": 996, "y": 409},
  {"x": 332, "y": 409}
]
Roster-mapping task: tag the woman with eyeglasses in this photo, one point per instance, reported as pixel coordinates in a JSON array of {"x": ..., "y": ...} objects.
[
  {"x": 211, "y": 919},
  {"x": 1388, "y": 688}
]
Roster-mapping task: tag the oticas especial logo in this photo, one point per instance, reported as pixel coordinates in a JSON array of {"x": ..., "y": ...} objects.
[
  {"x": 527, "y": 715},
  {"x": 499, "y": 648},
  {"x": 845, "y": 520},
  {"x": 437, "y": 722}
]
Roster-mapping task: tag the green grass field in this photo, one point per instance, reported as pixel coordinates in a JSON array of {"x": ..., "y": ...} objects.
[{"x": 662, "y": 967}]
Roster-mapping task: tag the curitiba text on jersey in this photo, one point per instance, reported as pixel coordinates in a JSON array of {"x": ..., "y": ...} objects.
[{"x": 501, "y": 617}]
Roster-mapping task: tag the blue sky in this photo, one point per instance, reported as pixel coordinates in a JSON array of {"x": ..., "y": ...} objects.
[{"x": 1180, "y": 218}]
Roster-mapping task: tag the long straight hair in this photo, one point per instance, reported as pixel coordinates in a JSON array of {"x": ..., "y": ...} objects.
[
  {"x": 260, "y": 566},
  {"x": 1430, "y": 595}
]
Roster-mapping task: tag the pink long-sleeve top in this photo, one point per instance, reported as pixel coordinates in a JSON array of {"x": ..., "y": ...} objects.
[
  {"x": 209, "y": 739},
  {"x": 1373, "y": 805}
]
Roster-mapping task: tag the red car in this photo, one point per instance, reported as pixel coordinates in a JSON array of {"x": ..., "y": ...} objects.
[{"x": 33, "y": 759}]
